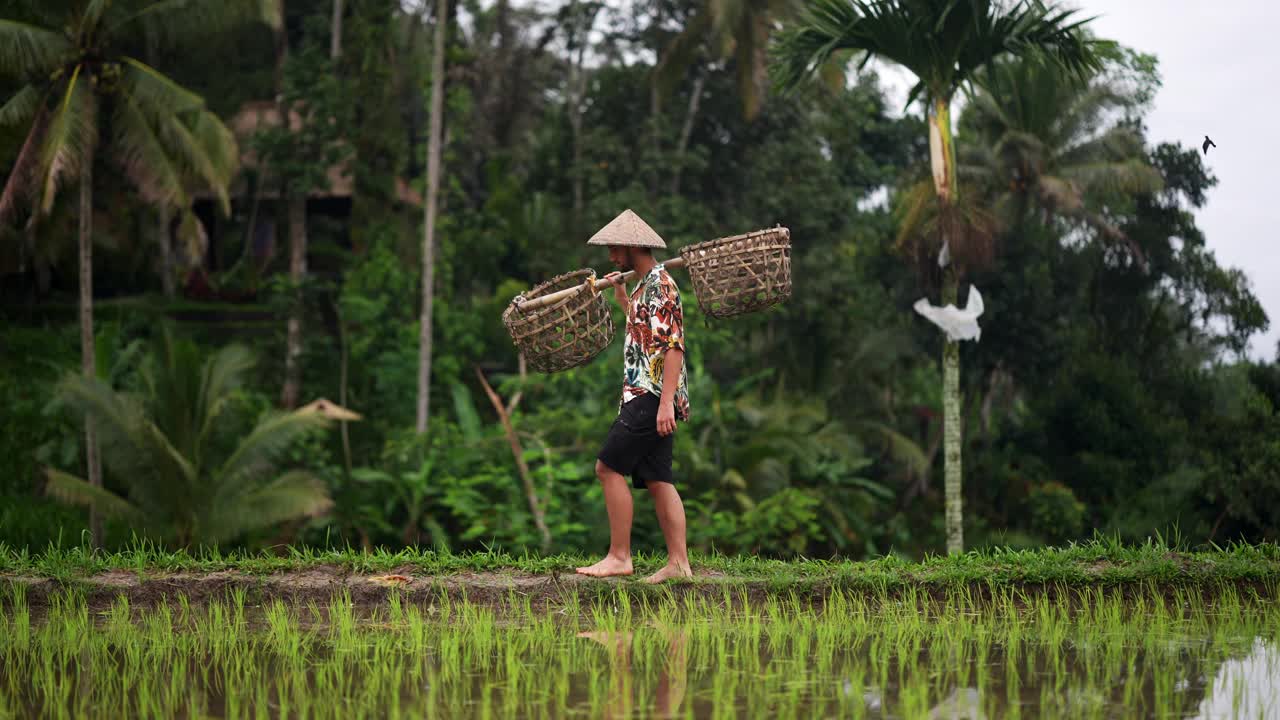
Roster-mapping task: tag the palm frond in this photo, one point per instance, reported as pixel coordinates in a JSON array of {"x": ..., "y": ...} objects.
[
  {"x": 23, "y": 177},
  {"x": 133, "y": 447},
  {"x": 944, "y": 42},
  {"x": 293, "y": 495},
  {"x": 257, "y": 454},
  {"x": 916, "y": 203},
  {"x": 220, "y": 377},
  {"x": 1117, "y": 143},
  {"x": 155, "y": 92},
  {"x": 19, "y": 109},
  {"x": 28, "y": 51},
  {"x": 142, "y": 156},
  {"x": 990, "y": 110},
  {"x": 204, "y": 157},
  {"x": 1082, "y": 110},
  {"x": 824, "y": 27},
  {"x": 175, "y": 22},
  {"x": 71, "y": 489},
  {"x": 970, "y": 227},
  {"x": 92, "y": 16},
  {"x": 70, "y": 139},
  {"x": 218, "y": 142},
  {"x": 1019, "y": 149},
  {"x": 1036, "y": 30},
  {"x": 1129, "y": 176}
]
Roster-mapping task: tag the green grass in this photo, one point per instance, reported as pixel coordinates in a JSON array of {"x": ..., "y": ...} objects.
[{"x": 1098, "y": 562}]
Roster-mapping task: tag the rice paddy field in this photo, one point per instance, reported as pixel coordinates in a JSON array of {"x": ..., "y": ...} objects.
[{"x": 1095, "y": 631}]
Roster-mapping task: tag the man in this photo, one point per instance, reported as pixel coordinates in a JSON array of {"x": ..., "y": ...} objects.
[{"x": 654, "y": 398}]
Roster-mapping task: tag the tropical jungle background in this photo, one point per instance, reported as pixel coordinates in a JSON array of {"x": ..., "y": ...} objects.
[{"x": 180, "y": 269}]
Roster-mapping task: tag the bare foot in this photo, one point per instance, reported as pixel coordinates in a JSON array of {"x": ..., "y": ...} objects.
[
  {"x": 608, "y": 567},
  {"x": 668, "y": 572}
]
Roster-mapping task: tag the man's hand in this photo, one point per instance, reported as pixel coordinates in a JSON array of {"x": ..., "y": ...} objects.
[
  {"x": 619, "y": 288},
  {"x": 666, "y": 417}
]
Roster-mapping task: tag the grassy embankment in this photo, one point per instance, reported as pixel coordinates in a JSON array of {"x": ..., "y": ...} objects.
[{"x": 145, "y": 571}]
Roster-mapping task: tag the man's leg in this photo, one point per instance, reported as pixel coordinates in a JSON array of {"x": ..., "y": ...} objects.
[
  {"x": 617, "y": 502},
  {"x": 666, "y": 500}
]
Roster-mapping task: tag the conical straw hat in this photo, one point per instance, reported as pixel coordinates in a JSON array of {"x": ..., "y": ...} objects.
[
  {"x": 329, "y": 409},
  {"x": 627, "y": 229}
]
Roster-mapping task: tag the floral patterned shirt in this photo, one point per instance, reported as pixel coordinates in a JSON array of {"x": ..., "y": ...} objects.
[{"x": 655, "y": 324}]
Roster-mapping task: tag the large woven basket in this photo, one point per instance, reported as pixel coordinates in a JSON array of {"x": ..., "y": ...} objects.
[
  {"x": 740, "y": 274},
  {"x": 564, "y": 335}
]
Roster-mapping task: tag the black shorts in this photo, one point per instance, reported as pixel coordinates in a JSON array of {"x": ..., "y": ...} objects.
[{"x": 634, "y": 446}]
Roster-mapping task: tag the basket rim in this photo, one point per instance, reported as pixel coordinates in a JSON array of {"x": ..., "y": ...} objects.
[
  {"x": 708, "y": 244},
  {"x": 530, "y": 295}
]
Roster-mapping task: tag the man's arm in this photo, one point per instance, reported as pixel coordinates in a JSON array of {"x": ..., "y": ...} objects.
[{"x": 672, "y": 362}]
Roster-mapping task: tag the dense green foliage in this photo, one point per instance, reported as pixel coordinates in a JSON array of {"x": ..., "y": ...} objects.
[{"x": 1108, "y": 392}]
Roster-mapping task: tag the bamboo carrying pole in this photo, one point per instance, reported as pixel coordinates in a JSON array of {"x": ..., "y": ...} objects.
[{"x": 553, "y": 298}]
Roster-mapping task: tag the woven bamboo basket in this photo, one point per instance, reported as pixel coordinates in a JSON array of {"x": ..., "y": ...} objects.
[
  {"x": 740, "y": 274},
  {"x": 565, "y": 334}
]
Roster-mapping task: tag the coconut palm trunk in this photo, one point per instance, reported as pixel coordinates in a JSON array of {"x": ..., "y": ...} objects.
[
  {"x": 335, "y": 31},
  {"x": 296, "y": 210},
  {"x": 92, "y": 462},
  {"x": 942, "y": 161},
  {"x": 429, "y": 219}
]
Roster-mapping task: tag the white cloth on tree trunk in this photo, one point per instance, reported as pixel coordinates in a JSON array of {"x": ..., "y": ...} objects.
[{"x": 956, "y": 323}]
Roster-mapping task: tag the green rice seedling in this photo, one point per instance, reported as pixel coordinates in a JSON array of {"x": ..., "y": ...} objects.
[{"x": 850, "y": 654}]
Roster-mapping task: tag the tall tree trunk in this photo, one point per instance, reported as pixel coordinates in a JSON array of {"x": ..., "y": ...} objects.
[
  {"x": 575, "y": 124},
  {"x": 429, "y": 219},
  {"x": 694, "y": 99},
  {"x": 297, "y": 274},
  {"x": 577, "y": 89},
  {"x": 94, "y": 465},
  {"x": 296, "y": 203},
  {"x": 335, "y": 31},
  {"x": 943, "y": 165},
  {"x": 166, "y": 251},
  {"x": 655, "y": 117}
]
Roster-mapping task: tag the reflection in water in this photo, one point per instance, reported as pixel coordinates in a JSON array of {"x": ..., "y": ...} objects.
[
  {"x": 1107, "y": 658},
  {"x": 961, "y": 704},
  {"x": 672, "y": 676},
  {"x": 1246, "y": 687}
]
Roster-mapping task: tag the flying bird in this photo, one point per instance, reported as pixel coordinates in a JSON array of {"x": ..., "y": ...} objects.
[{"x": 1207, "y": 143}]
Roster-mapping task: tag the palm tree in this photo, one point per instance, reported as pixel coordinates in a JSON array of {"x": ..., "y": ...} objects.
[
  {"x": 945, "y": 43},
  {"x": 1041, "y": 146},
  {"x": 163, "y": 443},
  {"x": 85, "y": 95}
]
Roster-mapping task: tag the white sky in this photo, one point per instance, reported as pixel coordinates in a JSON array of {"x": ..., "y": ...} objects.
[{"x": 1217, "y": 61}]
